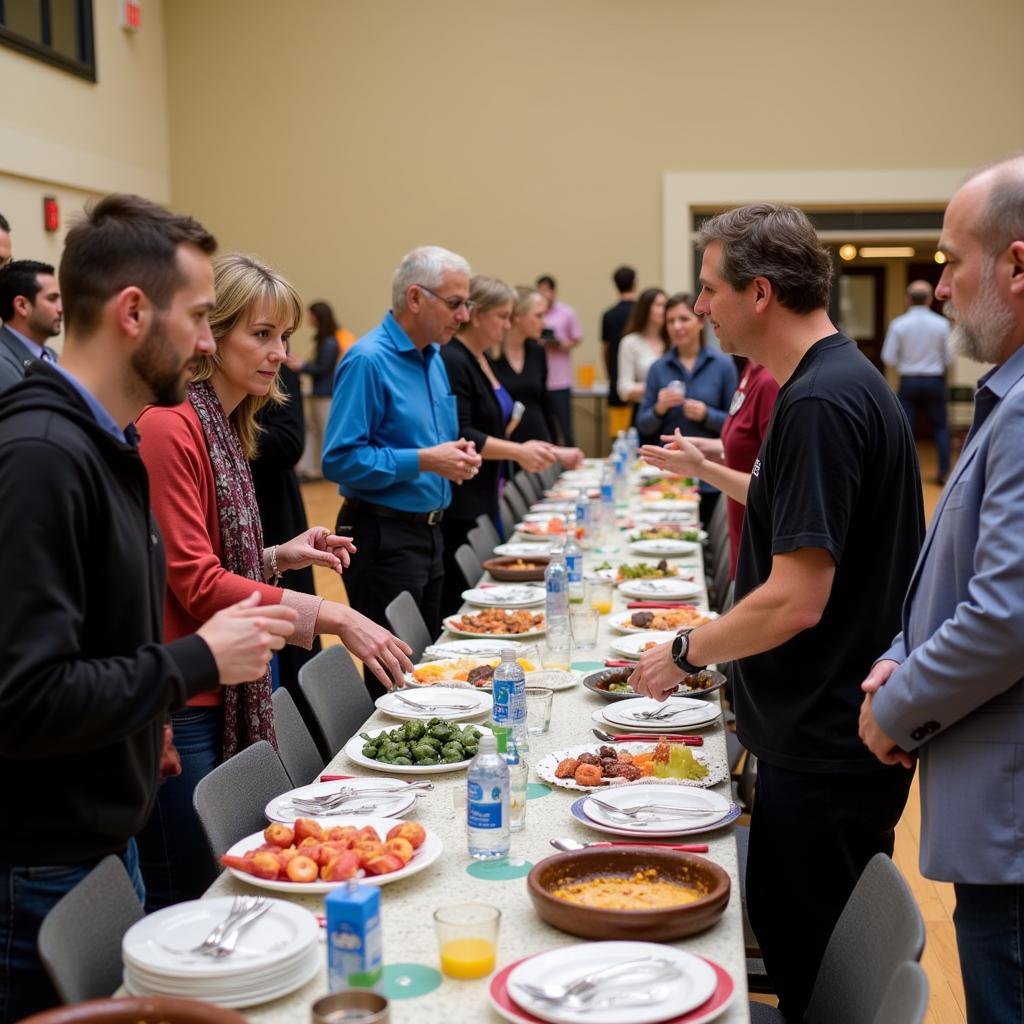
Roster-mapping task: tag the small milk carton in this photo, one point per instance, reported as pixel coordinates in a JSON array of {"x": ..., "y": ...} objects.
[{"x": 354, "y": 941}]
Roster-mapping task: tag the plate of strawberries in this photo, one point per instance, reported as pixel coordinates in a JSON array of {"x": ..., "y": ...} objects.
[{"x": 317, "y": 855}]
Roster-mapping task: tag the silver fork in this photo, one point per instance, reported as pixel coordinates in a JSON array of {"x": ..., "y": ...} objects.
[
  {"x": 636, "y": 809},
  {"x": 238, "y": 907},
  {"x": 329, "y": 803},
  {"x": 227, "y": 944},
  {"x": 586, "y": 988},
  {"x": 659, "y": 713},
  {"x": 432, "y": 707}
]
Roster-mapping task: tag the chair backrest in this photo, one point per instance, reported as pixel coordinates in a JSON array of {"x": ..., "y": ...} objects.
[
  {"x": 879, "y": 929},
  {"x": 485, "y": 524},
  {"x": 295, "y": 744},
  {"x": 480, "y": 543},
  {"x": 405, "y": 620},
  {"x": 469, "y": 564},
  {"x": 527, "y": 487},
  {"x": 337, "y": 696},
  {"x": 906, "y": 999},
  {"x": 720, "y": 577},
  {"x": 229, "y": 801},
  {"x": 507, "y": 517},
  {"x": 80, "y": 938},
  {"x": 549, "y": 475},
  {"x": 516, "y": 501},
  {"x": 717, "y": 527}
]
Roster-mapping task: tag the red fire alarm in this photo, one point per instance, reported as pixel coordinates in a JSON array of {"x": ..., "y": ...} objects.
[
  {"x": 51, "y": 213},
  {"x": 131, "y": 15}
]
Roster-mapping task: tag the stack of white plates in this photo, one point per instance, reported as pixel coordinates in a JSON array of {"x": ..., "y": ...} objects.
[
  {"x": 276, "y": 954},
  {"x": 679, "y": 714}
]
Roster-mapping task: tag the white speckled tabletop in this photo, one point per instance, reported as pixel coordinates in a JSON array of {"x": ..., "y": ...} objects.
[{"x": 407, "y": 906}]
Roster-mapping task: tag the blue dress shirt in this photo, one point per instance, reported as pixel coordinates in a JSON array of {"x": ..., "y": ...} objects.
[
  {"x": 99, "y": 412},
  {"x": 711, "y": 381},
  {"x": 390, "y": 400}
]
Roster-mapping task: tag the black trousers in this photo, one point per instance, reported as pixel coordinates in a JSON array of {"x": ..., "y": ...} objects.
[
  {"x": 811, "y": 835},
  {"x": 561, "y": 406},
  {"x": 393, "y": 555}
]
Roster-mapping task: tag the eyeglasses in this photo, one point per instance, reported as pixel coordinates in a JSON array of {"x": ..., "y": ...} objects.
[{"x": 453, "y": 302}]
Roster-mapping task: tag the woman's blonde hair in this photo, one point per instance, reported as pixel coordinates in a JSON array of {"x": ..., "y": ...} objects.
[
  {"x": 487, "y": 293},
  {"x": 244, "y": 286},
  {"x": 526, "y": 295}
]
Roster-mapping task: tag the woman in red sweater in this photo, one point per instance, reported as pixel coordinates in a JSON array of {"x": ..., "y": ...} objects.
[{"x": 202, "y": 494}]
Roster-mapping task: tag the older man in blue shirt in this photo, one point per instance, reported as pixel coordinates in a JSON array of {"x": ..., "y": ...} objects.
[
  {"x": 950, "y": 688},
  {"x": 392, "y": 440}
]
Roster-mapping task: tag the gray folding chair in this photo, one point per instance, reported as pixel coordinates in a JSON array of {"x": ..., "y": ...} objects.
[
  {"x": 519, "y": 505},
  {"x": 480, "y": 543},
  {"x": 720, "y": 578},
  {"x": 486, "y": 525},
  {"x": 80, "y": 938},
  {"x": 549, "y": 475},
  {"x": 906, "y": 998},
  {"x": 337, "y": 696},
  {"x": 717, "y": 528},
  {"x": 469, "y": 564},
  {"x": 527, "y": 487},
  {"x": 506, "y": 516},
  {"x": 406, "y": 621},
  {"x": 879, "y": 929},
  {"x": 295, "y": 743},
  {"x": 229, "y": 801}
]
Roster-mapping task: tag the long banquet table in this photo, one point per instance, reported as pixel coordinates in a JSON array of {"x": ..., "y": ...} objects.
[{"x": 407, "y": 906}]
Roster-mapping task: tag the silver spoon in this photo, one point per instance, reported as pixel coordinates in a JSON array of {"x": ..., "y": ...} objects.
[{"x": 573, "y": 845}]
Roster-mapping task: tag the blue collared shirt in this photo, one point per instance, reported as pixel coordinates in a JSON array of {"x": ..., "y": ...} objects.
[
  {"x": 37, "y": 350},
  {"x": 99, "y": 412},
  {"x": 917, "y": 343},
  {"x": 390, "y": 400},
  {"x": 712, "y": 381}
]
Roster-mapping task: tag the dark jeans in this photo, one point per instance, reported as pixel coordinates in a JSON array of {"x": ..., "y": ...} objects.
[
  {"x": 174, "y": 856},
  {"x": 561, "y": 406},
  {"x": 989, "y": 922},
  {"x": 811, "y": 836},
  {"x": 708, "y": 501},
  {"x": 929, "y": 394},
  {"x": 27, "y": 895},
  {"x": 394, "y": 555}
]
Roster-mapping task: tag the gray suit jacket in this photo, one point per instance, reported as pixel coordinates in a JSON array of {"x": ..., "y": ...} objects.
[
  {"x": 958, "y": 695},
  {"x": 14, "y": 359}
]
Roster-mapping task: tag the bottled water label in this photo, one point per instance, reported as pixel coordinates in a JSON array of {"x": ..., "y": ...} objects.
[
  {"x": 574, "y": 563},
  {"x": 485, "y": 806},
  {"x": 501, "y": 692}
]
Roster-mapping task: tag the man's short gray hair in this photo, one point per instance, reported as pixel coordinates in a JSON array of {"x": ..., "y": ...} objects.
[{"x": 427, "y": 266}]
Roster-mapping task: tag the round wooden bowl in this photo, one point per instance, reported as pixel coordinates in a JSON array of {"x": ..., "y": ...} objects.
[
  {"x": 136, "y": 1009},
  {"x": 659, "y": 925},
  {"x": 499, "y": 568}
]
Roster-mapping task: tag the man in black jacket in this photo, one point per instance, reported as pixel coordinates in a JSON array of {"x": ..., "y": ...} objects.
[{"x": 85, "y": 684}]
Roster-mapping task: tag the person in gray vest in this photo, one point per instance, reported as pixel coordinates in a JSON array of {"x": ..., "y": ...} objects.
[{"x": 31, "y": 311}]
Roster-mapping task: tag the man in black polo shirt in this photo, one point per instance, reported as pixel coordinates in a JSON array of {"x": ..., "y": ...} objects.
[
  {"x": 613, "y": 326},
  {"x": 833, "y": 525}
]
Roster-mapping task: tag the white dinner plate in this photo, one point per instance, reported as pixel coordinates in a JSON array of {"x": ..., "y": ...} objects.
[
  {"x": 551, "y": 507},
  {"x": 462, "y": 665},
  {"x": 431, "y": 849},
  {"x": 546, "y": 516},
  {"x": 505, "y": 595},
  {"x": 622, "y": 622},
  {"x": 712, "y": 807},
  {"x": 384, "y": 806},
  {"x": 718, "y": 770},
  {"x": 449, "y": 625},
  {"x": 631, "y": 833},
  {"x": 535, "y": 536},
  {"x": 711, "y": 715},
  {"x": 469, "y": 648},
  {"x": 562, "y": 966},
  {"x": 687, "y": 518},
  {"x": 667, "y": 589},
  {"x": 158, "y": 944},
  {"x": 354, "y": 752},
  {"x": 526, "y": 549},
  {"x": 680, "y": 712},
  {"x": 665, "y": 548},
  {"x": 436, "y": 702},
  {"x": 634, "y": 644},
  {"x": 672, "y": 504}
]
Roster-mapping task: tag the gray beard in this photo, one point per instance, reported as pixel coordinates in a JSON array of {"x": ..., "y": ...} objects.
[{"x": 980, "y": 330}]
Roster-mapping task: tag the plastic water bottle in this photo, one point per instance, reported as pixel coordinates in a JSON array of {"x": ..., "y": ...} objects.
[
  {"x": 633, "y": 441},
  {"x": 583, "y": 524},
  {"x": 509, "y": 694},
  {"x": 607, "y": 501},
  {"x": 573, "y": 563},
  {"x": 516, "y": 754},
  {"x": 620, "y": 463},
  {"x": 487, "y": 808},
  {"x": 556, "y": 586}
]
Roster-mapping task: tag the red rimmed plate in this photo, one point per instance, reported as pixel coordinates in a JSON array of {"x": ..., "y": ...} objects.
[{"x": 714, "y": 1007}]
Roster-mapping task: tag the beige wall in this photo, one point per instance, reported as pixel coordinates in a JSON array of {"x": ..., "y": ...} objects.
[
  {"x": 333, "y": 136},
  {"x": 61, "y": 135}
]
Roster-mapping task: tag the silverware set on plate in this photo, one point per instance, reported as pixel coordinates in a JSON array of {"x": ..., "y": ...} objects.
[
  {"x": 347, "y": 794},
  {"x": 223, "y": 939},
  {"x": 589, "y": 992},
  {"x": 397, "y": 694},
  {"x": 634, "y": 811}
]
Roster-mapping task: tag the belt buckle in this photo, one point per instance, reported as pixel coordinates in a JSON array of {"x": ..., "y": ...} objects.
[{"x": 433, "y": 518}]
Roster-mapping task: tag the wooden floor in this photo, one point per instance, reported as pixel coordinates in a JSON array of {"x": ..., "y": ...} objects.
[{"x": 946, "y": 1005}]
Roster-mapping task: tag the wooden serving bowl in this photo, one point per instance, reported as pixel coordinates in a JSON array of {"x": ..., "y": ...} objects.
[
  {"x": 138, "y": 1010},
  {"x": 658, "y": 925},
  {"x": 499, "y": 568}
]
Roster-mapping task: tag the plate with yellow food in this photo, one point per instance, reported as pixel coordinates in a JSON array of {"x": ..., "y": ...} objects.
[
  {"x": 591, "y": 767},
  {"x": 496, "y": 623},
  {"x": 666, "y": 620},
  {"x": 477, "y": 673}
]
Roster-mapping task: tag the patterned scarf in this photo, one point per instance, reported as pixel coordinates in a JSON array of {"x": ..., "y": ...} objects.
[{"x": 248, "y": 711}]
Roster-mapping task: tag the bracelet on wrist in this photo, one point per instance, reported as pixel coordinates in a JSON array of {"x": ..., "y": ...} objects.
[{"x": 275, "y": 573}]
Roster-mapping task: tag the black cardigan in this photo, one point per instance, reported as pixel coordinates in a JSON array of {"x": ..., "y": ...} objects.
[
  {"x": 530, "y": 387},
  {"x": 480, "y": 418}
]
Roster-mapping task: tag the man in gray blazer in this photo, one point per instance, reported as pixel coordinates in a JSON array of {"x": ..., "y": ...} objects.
[
  {"x": 31, "y": 312},
  {"x": 950, "y": 687}
]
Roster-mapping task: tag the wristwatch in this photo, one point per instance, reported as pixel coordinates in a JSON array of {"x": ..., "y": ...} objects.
[{"x": 680, "y": 648}]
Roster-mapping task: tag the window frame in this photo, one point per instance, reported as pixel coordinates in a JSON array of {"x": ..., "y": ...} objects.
[{"x": 46, "y": 53}]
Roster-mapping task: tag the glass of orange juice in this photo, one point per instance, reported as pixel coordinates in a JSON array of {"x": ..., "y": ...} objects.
[
  {"x": 599, "y": 595},
  {"x": 467, "y": 935}
]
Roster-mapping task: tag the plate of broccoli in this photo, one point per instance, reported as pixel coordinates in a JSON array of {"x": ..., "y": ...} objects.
[{"x": 417, "y": 747}]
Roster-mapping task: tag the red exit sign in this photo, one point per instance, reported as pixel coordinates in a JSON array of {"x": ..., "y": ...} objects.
[{"x": 131, "y": 15}]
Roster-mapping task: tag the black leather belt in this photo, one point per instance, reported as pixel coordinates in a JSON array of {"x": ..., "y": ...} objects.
[{"x": 430, "y": 518}]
